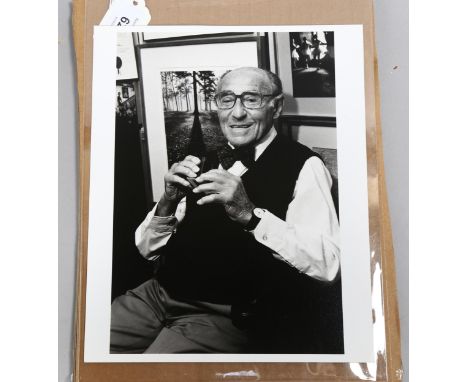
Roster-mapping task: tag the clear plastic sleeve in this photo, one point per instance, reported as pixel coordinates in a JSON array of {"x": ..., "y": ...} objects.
[{"x": 384, "y": 303}]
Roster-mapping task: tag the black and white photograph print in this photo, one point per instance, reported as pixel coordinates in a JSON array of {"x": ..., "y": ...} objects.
[
  {"x": 229, "y": 170},
  {"x": 312, "y": 64},
  {"x": 228, "y": 240}
]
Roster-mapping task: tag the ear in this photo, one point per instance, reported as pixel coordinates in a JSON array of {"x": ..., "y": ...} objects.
[{"x": 278, "y": 106}]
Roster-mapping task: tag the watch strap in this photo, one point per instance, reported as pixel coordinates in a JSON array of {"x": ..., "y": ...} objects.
[{"x": 253, "y": 222}]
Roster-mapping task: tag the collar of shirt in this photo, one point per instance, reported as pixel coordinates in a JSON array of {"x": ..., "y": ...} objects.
[{"x": 238, "y": 168}]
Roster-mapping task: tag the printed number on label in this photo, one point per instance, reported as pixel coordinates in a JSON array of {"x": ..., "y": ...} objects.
[{"x": 123, "y": 21}]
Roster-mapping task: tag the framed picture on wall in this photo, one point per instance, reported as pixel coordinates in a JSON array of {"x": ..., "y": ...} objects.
[
  {"x": 179, "y": 81},
  {"x": 305, "y": 61},
  {"x": 312, "y": 64}
]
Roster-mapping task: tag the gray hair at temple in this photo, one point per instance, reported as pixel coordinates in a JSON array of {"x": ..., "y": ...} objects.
[{"x": 274, "y": 79}]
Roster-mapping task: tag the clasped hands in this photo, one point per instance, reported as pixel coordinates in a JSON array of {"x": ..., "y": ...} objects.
[{"x": 215, "y": 187}]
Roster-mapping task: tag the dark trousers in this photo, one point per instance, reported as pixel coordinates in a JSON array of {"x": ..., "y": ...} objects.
[{"x": 147, "y": 320}]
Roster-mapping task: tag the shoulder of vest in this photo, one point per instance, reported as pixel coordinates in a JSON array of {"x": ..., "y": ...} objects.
[{"x": 296, "y": 149}]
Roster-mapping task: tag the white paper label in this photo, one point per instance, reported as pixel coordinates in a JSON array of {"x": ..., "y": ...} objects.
[{"x": 123, "y": 13}]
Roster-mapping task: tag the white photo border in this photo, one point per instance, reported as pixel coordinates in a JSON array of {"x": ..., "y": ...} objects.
[{"x": 353, "y": 196}]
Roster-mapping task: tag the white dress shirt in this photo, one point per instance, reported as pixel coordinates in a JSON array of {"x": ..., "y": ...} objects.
[{"x": 308, "y": 239}]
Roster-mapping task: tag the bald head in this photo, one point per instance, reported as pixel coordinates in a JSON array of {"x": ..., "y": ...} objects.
[{"x": 267, "y": 80}]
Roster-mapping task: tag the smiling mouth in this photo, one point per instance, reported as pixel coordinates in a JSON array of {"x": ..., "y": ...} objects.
[{"x": 241, "y": 126}]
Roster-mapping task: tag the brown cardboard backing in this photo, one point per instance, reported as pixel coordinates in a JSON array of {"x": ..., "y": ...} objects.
[{"x": 86, "y": 14}]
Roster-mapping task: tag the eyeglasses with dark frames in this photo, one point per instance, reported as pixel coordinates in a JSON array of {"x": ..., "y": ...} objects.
[{"x": 250, "y": 100}]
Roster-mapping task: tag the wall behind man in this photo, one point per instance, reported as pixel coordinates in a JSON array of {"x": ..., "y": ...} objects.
[{"x": 315, "y": 136}]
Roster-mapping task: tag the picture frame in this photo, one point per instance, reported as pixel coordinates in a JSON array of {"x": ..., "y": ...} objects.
[
  {"x": 253, "y": 50},
  {"x": 306, "y": 107},
  {"x": 187, "y": 37}
]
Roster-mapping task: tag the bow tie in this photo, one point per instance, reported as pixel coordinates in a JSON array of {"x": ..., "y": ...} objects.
[{"x": 228, "y": 156}]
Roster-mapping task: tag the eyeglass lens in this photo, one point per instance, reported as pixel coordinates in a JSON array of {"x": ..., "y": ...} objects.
[{"x": 249, "y": 100}]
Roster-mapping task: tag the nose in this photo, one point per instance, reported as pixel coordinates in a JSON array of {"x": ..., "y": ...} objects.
[{"x": 238, "y": 110}]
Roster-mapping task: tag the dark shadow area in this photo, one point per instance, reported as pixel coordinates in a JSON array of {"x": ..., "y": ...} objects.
[
  {"x": 180, "y": 134},
  {"x": 313, "y": 82},
  {"x": 129, "y": 268}
]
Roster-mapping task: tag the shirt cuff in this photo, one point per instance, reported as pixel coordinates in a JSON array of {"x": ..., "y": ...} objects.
[
  {"x": 163, "y": 224},
  {"x": 266, "y": 229},
  {"x": 318, "y": 258}
]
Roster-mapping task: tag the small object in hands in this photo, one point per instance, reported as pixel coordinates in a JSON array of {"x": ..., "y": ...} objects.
[{"x": 192, "y": 181}]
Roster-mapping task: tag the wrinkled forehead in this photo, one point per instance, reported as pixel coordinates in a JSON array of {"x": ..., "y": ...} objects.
[{"x": 242, "y": 80}]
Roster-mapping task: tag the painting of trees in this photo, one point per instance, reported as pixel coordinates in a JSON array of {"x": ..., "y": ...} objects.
[
  {"x": 190, "y": 117},
  {"x": 184, "y": 87},
  {"x": 178, "y": 90},
  {"x": 208, "y": 82}
]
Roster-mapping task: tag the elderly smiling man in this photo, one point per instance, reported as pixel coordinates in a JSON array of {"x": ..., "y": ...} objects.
[{"x": 237, "y": 249}]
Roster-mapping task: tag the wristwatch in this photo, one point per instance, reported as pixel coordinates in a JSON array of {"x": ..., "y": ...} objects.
[{"x": 257, "y": 215}]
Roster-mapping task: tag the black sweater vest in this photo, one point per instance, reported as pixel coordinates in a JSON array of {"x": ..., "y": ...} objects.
[{"x": 211, "y": 258}]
